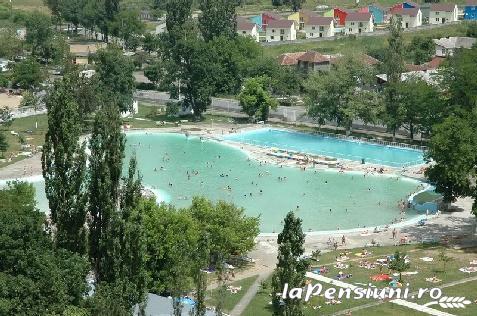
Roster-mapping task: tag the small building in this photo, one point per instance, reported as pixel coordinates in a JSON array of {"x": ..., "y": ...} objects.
[
  {"x": 269, "y": 16},
  {"x": 446, "y": 46},
  {"x": 378, "y": 12},
  {"x": 319, "y": 26},
  {"x": 411, "y": 17},
  {"x": 357, "y": 23},
  {"x": 314, "y": 61},
  {"x": 247, "y": 28},
  {"x": 470, "y": 10},
  {"x": 289, "y": 59},
  {"x": 340, "y": 15},
  {"x": 280, "y": 30},
  {"x": 304, "y": 17},
  {"x": 441, "y": 13}
]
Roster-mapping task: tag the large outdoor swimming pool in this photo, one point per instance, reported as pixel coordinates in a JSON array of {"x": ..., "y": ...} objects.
[
  {"x": 330, "y": 146},
  {"x": 354, "y": 200}
]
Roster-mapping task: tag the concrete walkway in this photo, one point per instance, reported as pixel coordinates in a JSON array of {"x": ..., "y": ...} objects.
[
  {"x": 420, "y": 308},
  {"x": 252, "y": 291}
]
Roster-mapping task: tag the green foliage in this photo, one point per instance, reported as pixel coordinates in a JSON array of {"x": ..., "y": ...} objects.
[
  {"x": 295, "y": 5},
  {"x": 444, "y": 258},
  {"x": 217, "y": 18},
  {"x": 472, "y": 29},
  {"x": 150, "y": 42},
  {"x": 34, "y": 277},
  {"x": 11, "y": 44},
  {"x": 3, "y": 144},
  {"x": 338, "y": 95},
  {"x": 399, "y": 264},
  {"x": 127, "y": 26},
  {"x": 290, "y": 267},
  {"x": 38, "y": 31},
  {"x": 453, "y": 148},
  {"x": 115, "y": 75},
  {"x": 255, "y": 100},
  {"x": 156, "y": 72},
  {"x": 28, "y": 74},
  {"x": 64, "y": 166},
  {"x": 30, "y": 99},
  {"x": 422, "y": 49}
]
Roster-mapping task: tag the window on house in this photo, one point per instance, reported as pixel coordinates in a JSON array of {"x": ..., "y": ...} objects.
[
  {"x": 350, "y": 29},
  {"x": 437, "y": 19},
  {"x": 360, "y": 24},
  {"x": 437, "y": 13},
  {"x": 244, "y": 32},
  {"x": 273, "y": 31},
  {"x": 311, "y": 34},
  {"x": 312, "y": 27},
  {"x": 282, "y": 31},
  {"x": 272, "y": 37},
  {"x": 352, "y": 23},
  {"x": 322, "y": 28}
]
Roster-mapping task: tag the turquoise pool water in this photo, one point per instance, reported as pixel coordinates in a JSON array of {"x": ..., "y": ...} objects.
[
  {"x": 330, "y": 146},
  {"x": 354, "y": 200}
]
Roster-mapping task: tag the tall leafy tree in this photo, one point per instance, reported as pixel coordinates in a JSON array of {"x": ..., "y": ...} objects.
[
  {"x": 35, "y": 276},
  {"x": 115, "y": 76},
  {"x": 38, "y": 31},
  {"x": 127, "y": 26},
  {"x": 11, "y": 44},
  {"x": 3, "y": 144},
  {"x": 255, "y": 100},
  {"x": 399, "y": 263},
  {"x": 422, "y": 49},
  {"x": 64, "y": 166},
  {"x": 291, "y": 268},
  {"x": 178, "y": 13},
  {"x": 341, "y": 95},
  {"x": 393, "y": 66},
  {"x": 218, "y": 18}
]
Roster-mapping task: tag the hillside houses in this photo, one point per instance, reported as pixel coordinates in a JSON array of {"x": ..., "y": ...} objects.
[
  {"x": 280, "y": 30},
  {"x": 357, "y": 23},
  {"x": 247, "y": 28},
  {"x": 410, "y": 17},
  {"x": 441, "y": 13},
  {"x": 319, "y": 26}
]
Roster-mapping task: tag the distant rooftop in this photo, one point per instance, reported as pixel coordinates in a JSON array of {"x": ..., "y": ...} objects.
[
  {"x": 320, "y": 20},
  {"x": 280, "y": 23},
  {"x": 444, "y": 7},
  {"x": 407, "y": 11},
  {"x": 455, "y": 42},
  {"x": 358, "y": 17}
]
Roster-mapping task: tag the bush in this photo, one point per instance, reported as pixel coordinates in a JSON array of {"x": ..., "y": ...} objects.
[
  {"x": 145, "y": 86},
  {"x": 172, "y": 109}
]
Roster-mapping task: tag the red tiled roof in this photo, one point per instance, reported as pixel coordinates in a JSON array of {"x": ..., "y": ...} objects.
[
  {"x": 273, "y": 15},
  {"x": 445, "y": 7},
  {"x": 280, "y": 23},
  {"x": 313, "y": 57},
  {"x": 406, "y": 11},
  {"x": 434, "y": 63},
  {"x": 244, "y": 24},
  {"x": 289, "y": 59},
  {"x": 358, "y": 17},
  {"x": 320, "y": 20}
]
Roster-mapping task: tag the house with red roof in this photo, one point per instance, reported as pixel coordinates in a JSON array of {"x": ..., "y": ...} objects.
[
  {"x": 410, "y": 17},
  {"x": 441, "y": 13},
  {"x": 319, "y": 26},
  {"x": 357, "y": 23},
  {"x": 340, "y": 15},
  {"x": 269, "y": 16},
  {"x": 247, "y": 28},
  {"x": 280, "y": 30}
]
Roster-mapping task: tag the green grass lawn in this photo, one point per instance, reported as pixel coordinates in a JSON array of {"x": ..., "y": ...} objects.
[
  {"x": 460, "y": 258},
  {"x": 230, "y": 299},
  {"x": 27, "y": 131}
]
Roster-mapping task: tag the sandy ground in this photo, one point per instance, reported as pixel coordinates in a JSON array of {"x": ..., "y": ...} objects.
[
  {"x": 10, "y": 101},
  {"x": 457, "y": 226}
]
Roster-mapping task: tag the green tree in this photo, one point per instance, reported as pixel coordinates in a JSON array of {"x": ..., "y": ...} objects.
[
  {"x": 422, "y": 49},
  {"x": 393, "y": 66},
  {"x": 150, "y": 43},
  {"x": 218, "y": 18},
  {"x": 115, "y": 76},
  {"x": 3, "y": 144},
  {"x": 340, "y": 95},
  {"x": 70, "y": 11},
  {"x": 28, "y": 74},
  {"x": 127, "y": 26},
  {"x": 34, "y": 276},
  {"x": 11, "y": 44},
  {"x": 64, "y": 166},
  {"x": 156, "y": 72},
  {"x": 38, "y": 31},
  {"x": 459, "y": 80},
  {"x": 255, "y": 100},
  {"x": 178, "y": 13},
  {"x": 444, "y": 258},
  {"x": 398, "y": 263},
  {"x": 420, "y": 105},
  {"x": 291, "y": 268},
  {"x": 453, "y": 149}
]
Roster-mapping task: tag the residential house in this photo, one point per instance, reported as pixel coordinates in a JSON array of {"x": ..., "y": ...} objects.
[
  {"x": 441, "y": 13},
  {"x": 470, "y": 10},
  {"x": 411, "y": 17},
  {"x": 314, "y": 61},
  {"x": 446, "y": 46},
  {"x": 280, "y": 30},
  {"x": 378, "y": 12},
  {"x": 247, "y": 28},
  {"x": 269, "y": 16},
  {"x": 340, "y": 15},
  {"x": 305, "y": 16},
  {"x": 357, "y": 23},
  {"x": 289, "y": 59},
  {"x": 319, "y": 26}
]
